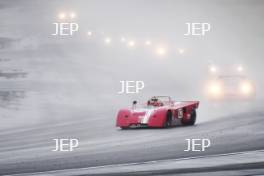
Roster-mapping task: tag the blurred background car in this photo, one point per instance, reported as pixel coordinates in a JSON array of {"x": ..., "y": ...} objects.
[
  {"x": 229, "y": 84},
  {"x": 231, "y": 87}
]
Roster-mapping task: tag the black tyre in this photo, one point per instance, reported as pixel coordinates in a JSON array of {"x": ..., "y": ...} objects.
[
  {"x": 168, "y": 122},
  {"x": 192, "y": 119}
]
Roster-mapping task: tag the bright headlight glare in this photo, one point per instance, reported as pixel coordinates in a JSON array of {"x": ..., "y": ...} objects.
[
  {"x": 131, "y": 43},
  {"x": 240, "y": 68},
  {"x": 147, "y": 42},
  {"x": 72, "y": 15},
  {"x": 161, "y": 51},
  {"x": 62, "y": 15},
  {"x": 215, "y": 89},
  {"x": 108, "y": 40},
  {"x": 181, "y": 51},
  {"x": 123, "y": 39},
  {"x": 213, "y": 69},
  {"x": 246, "y": 88},
  {"x": 89, "y": 33}
]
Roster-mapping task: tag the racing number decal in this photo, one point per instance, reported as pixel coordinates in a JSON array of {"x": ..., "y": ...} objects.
[{"x": 180, "y": 113}]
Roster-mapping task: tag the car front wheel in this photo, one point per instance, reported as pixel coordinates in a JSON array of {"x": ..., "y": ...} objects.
[{"x": 192, "y": 119}]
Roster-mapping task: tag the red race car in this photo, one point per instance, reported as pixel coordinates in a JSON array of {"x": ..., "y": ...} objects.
[{"x": 159, "y": 111}]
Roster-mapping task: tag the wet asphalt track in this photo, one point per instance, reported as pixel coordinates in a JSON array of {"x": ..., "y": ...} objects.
[{"x": 29, "y": 149}]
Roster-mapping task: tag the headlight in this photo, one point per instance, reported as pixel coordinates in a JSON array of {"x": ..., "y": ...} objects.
[
  {"x": 89, "y": 33},
  {"x": 161, "y": 51},
  {"x": 131, "y": 43},
  {"x": 62, "y": 16},
  {"x": 246, "y": 88},
  {"x": 240, "y": 68},
  {"x": 212, "y": 69},
  {"x": 72, "y": 15},
  {"x": 181, "y": 51},
  {"x": 123, "y": 39},
  {"x": 107, "y": 40},
  {"x": 215, "y": 89},
  {"x": 147, "y": 42}
]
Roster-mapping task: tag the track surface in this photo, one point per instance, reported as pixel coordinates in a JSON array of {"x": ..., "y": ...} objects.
[{"x": 29, "y": 150}]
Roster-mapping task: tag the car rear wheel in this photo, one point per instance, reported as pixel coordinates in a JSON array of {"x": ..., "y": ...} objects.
[{"x": 168, "y": 121}]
